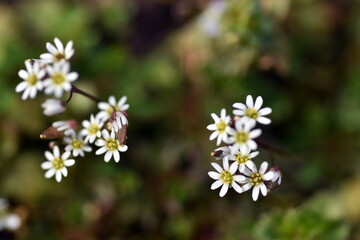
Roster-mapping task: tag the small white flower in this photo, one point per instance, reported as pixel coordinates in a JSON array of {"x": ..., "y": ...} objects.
[
  {"x": 108, "y": 108},
  {"x": 56, "y": 164},
  {"x": 76, "y": 145},
  {"x": 32, "y": 80},
  {"x": 92, "y": 128},
  {"x": 66, "y": 126},
  {"x": 243, "y": 157},
  {"x": 255, "y": 179},
  {"x": 243, "y": 134},
  {"x": 252, "y": 111},
  {"x": 57, "y": 52},
  {"x": 220, "y": 127},
  {"x": 225, "y": 177},
  {"x": 53, "y": 107},
  {"x": 221, "y": 152},
  {"x": 117, "y": 120},
  {"x": 10, "y": 221},
  {"x": 110, "y": 145},
  {"x": 60, "y": 78}
]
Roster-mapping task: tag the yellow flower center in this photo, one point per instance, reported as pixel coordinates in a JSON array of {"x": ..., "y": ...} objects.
[
  {"x": 241, "y": 137},
  {"x": 251, "y": 113},
  {"x": 59, "y": 56},
  {"x": 221, "y": 126},
  {"x": 77, "y": 144},
  {"x": 93, "y": 129},
  {"x": 226, "y": 177},
  {"x": 58, "y": 163},
  {"x": 32, "y": 79},
  {"x": 242, "y": 158},
  {"x": 58, "y": 78},
  {"x": 111, "y": 144},
  {"x": 256, "y": 179}
]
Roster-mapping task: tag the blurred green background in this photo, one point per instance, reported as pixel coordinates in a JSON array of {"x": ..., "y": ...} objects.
[{"x": 302, "y": 56}]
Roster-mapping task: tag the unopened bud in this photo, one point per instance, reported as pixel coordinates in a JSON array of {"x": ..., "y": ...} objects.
[{"x": 51, "y": 133}]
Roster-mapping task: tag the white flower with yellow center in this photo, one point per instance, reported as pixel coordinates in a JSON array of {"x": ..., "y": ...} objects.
[
  {"x": 252, "y": 111},
  {"x": 220, "y": 127},
  {"x": 255, "y": 179},
  {"x": 60, "y": 79},
  {"x": 110, "y": 146},
  {"x": 76, "y": 144},
  {"x": 243, "y": 134},
  {"x": 242, "y": 157},
  {"x": 56, "y": 164},
  {"x": 225, "y": 177},
  {"x": 58, "y": 52},
  {"x": 92, "y": 128},
  {"x": 32, "y": 80},
  {"x": 108, "y": 108}
]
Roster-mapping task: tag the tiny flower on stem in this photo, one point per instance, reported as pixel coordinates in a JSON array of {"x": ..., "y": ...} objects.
[
  {"x": 56, "y": 164},
  {"x": 110, "y": 146},
  {"x": 225, "y": 177},
  {"x": 53, "y": 107},
  {"x": 58, "y": 52},
  {"x": 255, "y": 179},
  {"x": 108, "y": 108},
  {"x": 220, "y": 127},
  {"x": 76, "y": 145},
  {"x": 243, "y": 134},
  {"x": 252, "y": 111},
  {"x": 32, "y": 80},
  {"x": 92, "y": 128},
  {"x": 243, "y": 157},
  {"x": 60, "y": 79}
]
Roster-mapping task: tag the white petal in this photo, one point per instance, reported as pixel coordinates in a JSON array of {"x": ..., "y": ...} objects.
[
  {"x": 51, "y": 48},
  {"x": 252, "y": 144},
  {"x": 58, "y": 176},
  {"x": 26, "y": 94},
  {"x": 69, "y": 46},
  {"x": 215, "y": 117},
  {"x": 217, "y": 167},
  {"x": 268, "y": 176},
  {"x": 214, "y": 175},
  {"x": 108, "y": 156},
  {"x": 255, "y": 192},
  {"x": 246, "y": 187},
  {"x": 105, "y": 134},
  {"x": 69, "y": 162},
  {"x": 223, "y": 113},
  {"x": 263, "y": 189},
  {"x": 236, "y": 187},
  {"x": 116, "y": 156},
  {"x": 239, "y": 112},
  {"x": 240, "y": 106},
  {"x": 50, "y": 173},
  {"x": 218, "y": 140},
  {"x": 239, "y": 179},
  {"x": 112, "y": 100},
  {"x": 59, "y": 45},
  {"x": 23, "y": 74},
  {"x": 46, "y": 56},
  {"x": 213, "y": 135},
  {"x": 211, "y": 127},
  {"x": 241, "y": 167},
  {"x": 122, "y": 148},
  {"x": 46, "y": 165},
  {"x": 224, "y": 190},
  {"x": 64, "y": 171},
  {"x": 216, "y": 184},
  {"x": 56, "y": 151},
  {"x": 263, "y": 167},
  {"x": 264, "y": 120},
  {"x": 249, "y": 101},
  {"x": 264, "y": 111},
  {"x": 101, "y": 150},
  {"x": 72, "y": 76},
  {"x": 253, "y": 154},
  {"x": 233, "y": 167},
  {"x": 258, "y": 103},
  {"x": 21, "y": 86},
  {"x": 65, "y": 155}
]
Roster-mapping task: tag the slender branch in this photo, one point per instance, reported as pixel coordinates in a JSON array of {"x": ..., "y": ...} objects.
[
  {"x": 79, "y": 91},
  {"x": 70, "y": 96}
]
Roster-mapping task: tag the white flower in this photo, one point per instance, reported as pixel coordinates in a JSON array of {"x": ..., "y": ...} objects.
[
  {"x": 225, "y": 177},
  {"x": 10, "y": 221},
  {"x": 53, "y": 107},
  {"x": 92, "y": 128},
  {"x": 66, "y": 126},
  {"x": 76, "y": 145},
  {"x": 117, "y": 120},
  {"x": 244, "y": 135},
  {"x": 56, "y": 164},
  {"x": 108, "y": 108},
  {"x": 277, "y": 174},
  {"x": 255, "y": 179},
  {"x": 32, "y": 80},
  {"x": 220, "y": 127},
  {"x": 221, "y": 152},
  {"x": 59, "y": 78},
  {"x": 110, "y": 145},
  {"x": 57, "y": 52},
  {"x": 252, "y": 111},
  {"x": 243, "y": 157}
]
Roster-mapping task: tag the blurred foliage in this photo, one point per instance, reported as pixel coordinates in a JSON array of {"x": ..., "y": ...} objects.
[{"x": 302, "y": 56}]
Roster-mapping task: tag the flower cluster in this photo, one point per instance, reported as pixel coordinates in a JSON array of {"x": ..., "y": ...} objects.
[
  {"x": 239, "y": 134},
  {"x": 106, "y": 129},
  {"x": 8, "y": 221}
]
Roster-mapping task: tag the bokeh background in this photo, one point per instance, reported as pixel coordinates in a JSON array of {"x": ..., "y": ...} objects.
[{"x": 178, "y": 61}]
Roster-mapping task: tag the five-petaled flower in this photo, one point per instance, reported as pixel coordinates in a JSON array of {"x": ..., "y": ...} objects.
[{"x": 56, "y": 164}]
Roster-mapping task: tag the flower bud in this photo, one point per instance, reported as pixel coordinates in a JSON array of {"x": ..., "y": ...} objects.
[{"x": 53, "y": 107}]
